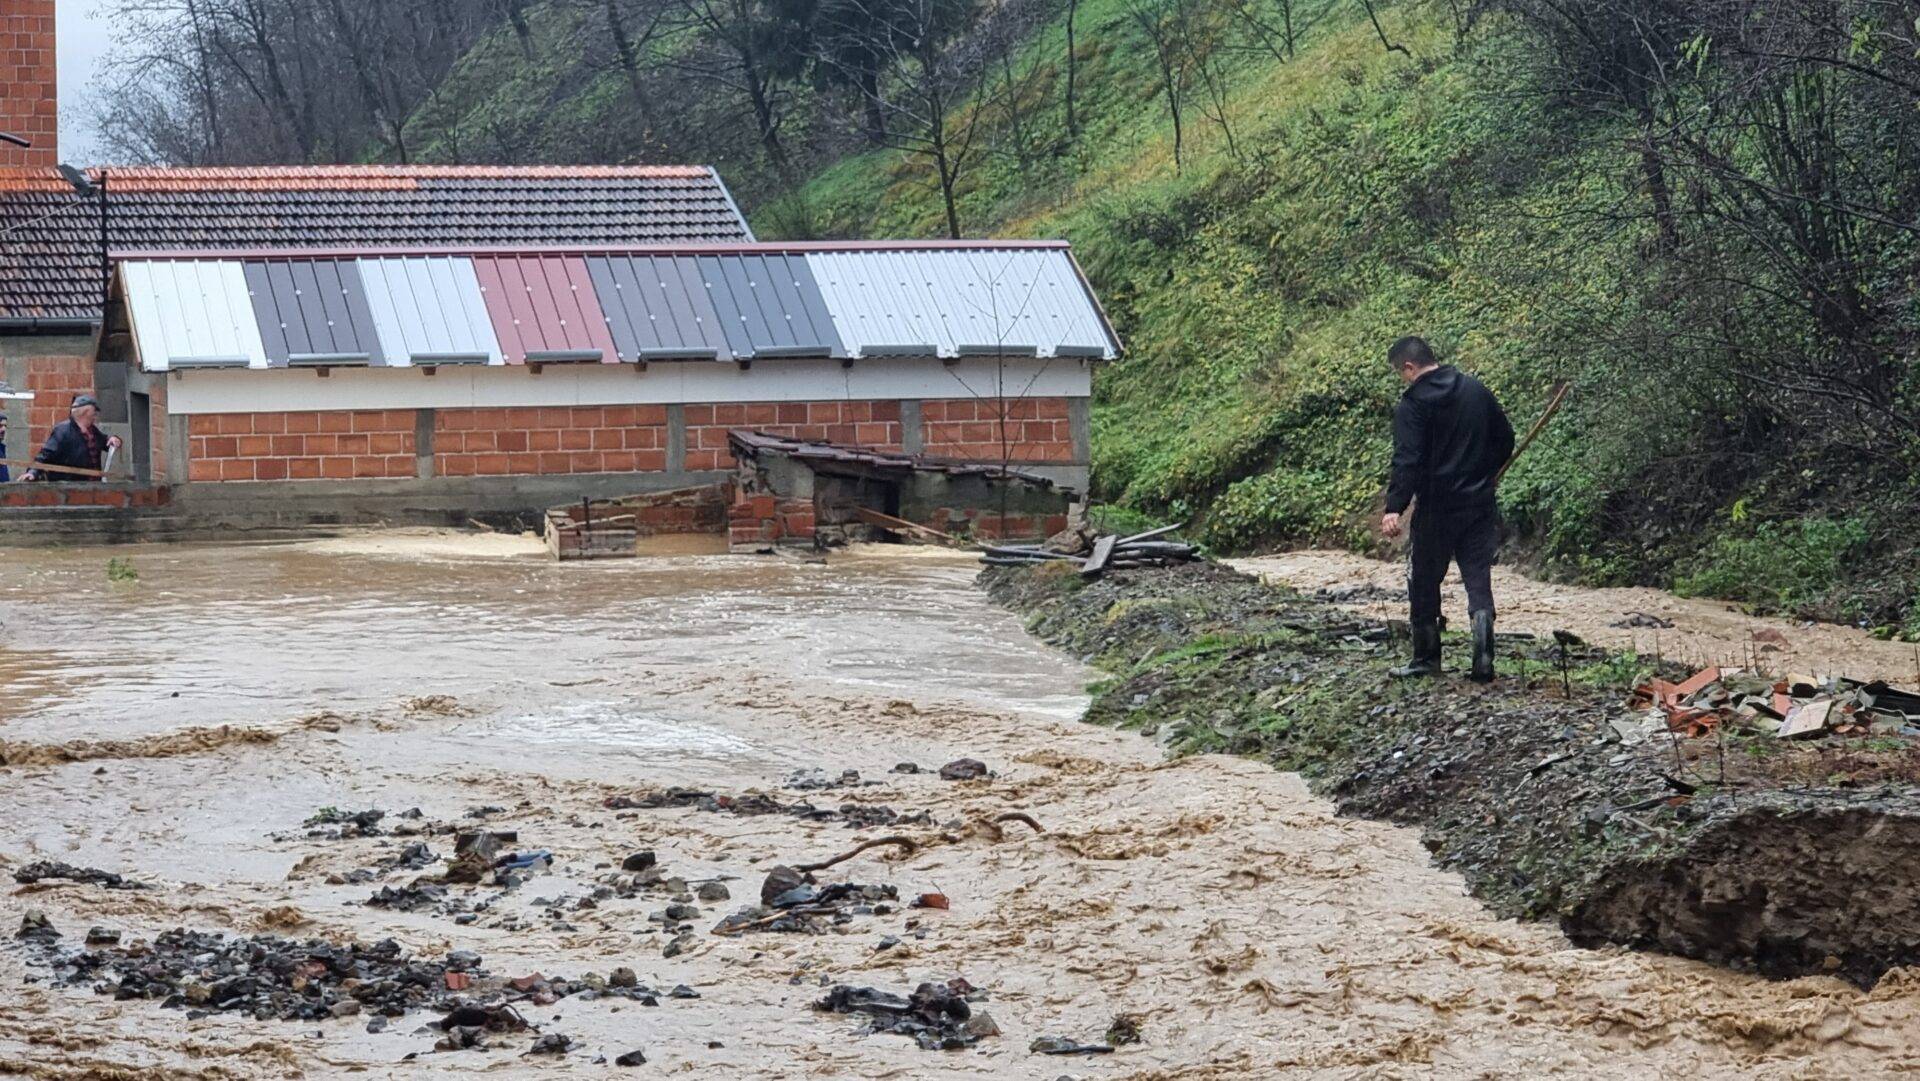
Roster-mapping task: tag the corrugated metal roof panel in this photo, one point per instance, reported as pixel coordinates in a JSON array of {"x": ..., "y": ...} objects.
[
  {"x": 656, "y": 308},
  {"x": 429, "y": 310},
  {"x": 543, "y": 308},
  {"x": 193, "y": 312},
  {"x": 313, "y": 309},
  {"x": 984, "y": 300}
]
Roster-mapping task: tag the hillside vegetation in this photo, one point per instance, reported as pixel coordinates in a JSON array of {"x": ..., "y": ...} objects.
[{"x": 1701, "y": 214}]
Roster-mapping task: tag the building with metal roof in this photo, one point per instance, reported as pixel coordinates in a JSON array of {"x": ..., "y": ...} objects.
[{"x": 552, "y": 372}]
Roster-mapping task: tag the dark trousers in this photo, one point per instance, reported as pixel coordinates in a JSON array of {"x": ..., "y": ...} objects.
[{"x": 1469, "y": 537}]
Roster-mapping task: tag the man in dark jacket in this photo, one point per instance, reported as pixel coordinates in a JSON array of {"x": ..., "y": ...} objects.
[
  {"x": 76, "y": 442},
  {"x": 1450, "y": 441}
]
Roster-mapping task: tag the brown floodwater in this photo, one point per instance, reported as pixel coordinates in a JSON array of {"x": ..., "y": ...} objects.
[{"x": 181, "y": 725}]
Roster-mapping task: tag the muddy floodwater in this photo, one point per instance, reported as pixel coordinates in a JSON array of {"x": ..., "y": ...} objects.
[{"x": 181, "y": 725}]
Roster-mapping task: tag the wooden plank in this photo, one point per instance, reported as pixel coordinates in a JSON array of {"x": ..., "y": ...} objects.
[
  {"x": 901, "y": 525},
  {"x": 73, "y": 469},
  {"x": 1102, "y": 551},
  {"x": 1152, "y": 533}
]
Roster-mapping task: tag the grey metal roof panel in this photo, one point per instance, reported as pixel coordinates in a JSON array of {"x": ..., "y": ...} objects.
[
  {"x": 310, "y": 308},
  {"x": 652, "y": 311}
]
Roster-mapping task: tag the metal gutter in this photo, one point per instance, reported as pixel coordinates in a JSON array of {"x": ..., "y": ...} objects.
[
  {"x": 38, "y": 325},
  {"x": 803, "y": 247}
]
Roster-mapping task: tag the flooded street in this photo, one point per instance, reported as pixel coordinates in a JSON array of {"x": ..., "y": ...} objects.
[{"x": 181, "y": 726}]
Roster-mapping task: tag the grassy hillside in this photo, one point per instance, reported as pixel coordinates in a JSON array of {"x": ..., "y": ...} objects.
[
  {"x": 1364, "y": 193},
  {"x": 1374, "y": 195}
]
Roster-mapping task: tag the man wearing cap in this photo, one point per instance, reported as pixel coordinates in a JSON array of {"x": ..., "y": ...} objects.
[{"x": 76, "y": 442}]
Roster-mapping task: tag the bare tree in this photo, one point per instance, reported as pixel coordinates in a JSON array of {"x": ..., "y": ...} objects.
[
  {"x": 933, "y": 100},
  {"x": 741, "y": 52},
  {"x": 1159, "y": 21}
]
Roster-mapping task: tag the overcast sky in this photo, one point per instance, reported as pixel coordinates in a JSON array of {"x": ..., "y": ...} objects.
[{"x": 85, "y": 36}]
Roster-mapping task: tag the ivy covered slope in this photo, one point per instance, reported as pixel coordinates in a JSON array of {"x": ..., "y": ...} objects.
[{"x": 1353, "y": 194}]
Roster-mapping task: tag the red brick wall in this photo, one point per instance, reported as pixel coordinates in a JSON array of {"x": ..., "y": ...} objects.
[
  {"x": 1035, "y": 429},
  {"x": 867, "y": 424},
  {"x": 157, "y": 430},
  {"x": 569, "y": 439},
  {"x": 29, "y": 104},
  {"x": 301, "y": 446},
  {"x": 80, "y": 495},
  {"x": 54, "y": 380}
]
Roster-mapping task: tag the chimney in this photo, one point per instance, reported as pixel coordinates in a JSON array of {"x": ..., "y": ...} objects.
[{"x": 29, "y": 98}]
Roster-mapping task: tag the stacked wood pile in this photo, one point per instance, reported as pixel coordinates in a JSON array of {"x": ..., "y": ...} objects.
[{"x": 1095, "y": 555}]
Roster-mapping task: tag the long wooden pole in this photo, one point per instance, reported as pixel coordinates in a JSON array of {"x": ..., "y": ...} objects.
[
  {"x": 74, "y": 469},
  {"x": 1553, "y": 406}
]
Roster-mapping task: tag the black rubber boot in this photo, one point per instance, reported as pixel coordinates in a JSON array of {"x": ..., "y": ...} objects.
[
  {"x": 1426, "y": 652},
  {"x": 1482, "y": 647}
]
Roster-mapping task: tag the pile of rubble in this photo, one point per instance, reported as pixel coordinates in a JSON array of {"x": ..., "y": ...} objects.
[
  {"x": 1095, "y": 555},
  {"x": 1796, "y": 707}
]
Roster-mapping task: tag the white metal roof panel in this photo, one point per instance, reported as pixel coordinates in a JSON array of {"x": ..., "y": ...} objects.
[
  {"x": 962, "y": 301},
  {"x": 189, "y": 313},
  {"x": 429, "y": 310}
]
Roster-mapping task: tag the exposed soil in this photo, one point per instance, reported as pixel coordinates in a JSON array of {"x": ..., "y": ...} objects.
[
  {"x": 1208, "y": 905},
  {"x": 1702, "y": 632},
  {"x": 1525, "y": 788}
]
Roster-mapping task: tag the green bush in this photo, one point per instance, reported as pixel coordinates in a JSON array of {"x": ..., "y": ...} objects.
[{"x": 1777, "y": 566}]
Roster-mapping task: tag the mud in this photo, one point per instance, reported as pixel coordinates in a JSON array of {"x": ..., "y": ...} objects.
[
  {"x": 1244, "y": 928},
  {"x": 1526, "y": 787},
  {"x": 1691, "y": 632}
]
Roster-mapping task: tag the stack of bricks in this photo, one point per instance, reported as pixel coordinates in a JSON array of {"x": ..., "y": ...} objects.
[
  {"x": 993, "y": 429},
  {"x": 550, "y": 440},
  {"x": 54, "y": 382},
  {"x": 859, "y": 423},
  {"x": 363, "y": 444},
  {"x": 758, "y": 521},
  {"x": 29, "y": 101}
]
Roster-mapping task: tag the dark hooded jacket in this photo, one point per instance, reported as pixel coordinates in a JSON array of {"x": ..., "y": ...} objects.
[{"x": 1450, "y": 438}]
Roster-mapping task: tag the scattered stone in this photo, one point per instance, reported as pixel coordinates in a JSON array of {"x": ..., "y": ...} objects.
[
  {"x": 41, "y": 870},
  {"x": 639, "y": 861},
  {"x": 475, "y": 853},
  {"x": 102, "y": 936},
  {"x": 781, "y": 880},
  {"x": 681, "y": 990},
  {"x": 346, "y": 1007},
  {"x": 377, "y": 1025},
  {"x": 680, "y": 944},
  {"x": 631, "y": 1058},
  {"x": 623, "y": 977},
  {"x": 931, "y": 900},
  {"x": 413, "y": 857},
  {"x": 807, "y": 780},
  {"x": 713, "y": 892},
  {"x": 963, "y": 769},
  {"x": 906, "y": 767}
]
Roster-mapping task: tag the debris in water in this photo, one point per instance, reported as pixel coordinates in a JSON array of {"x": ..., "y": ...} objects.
[
  {"x": 1061, "y": 1045},
  {"x": 1124, "y": 1029},
  {"x": 936, "y": 1015},
  {"x": 553, "y": 1043},
  {"x": 41, "y": 870},
  {"x": 811, "y": 780},
  {"x": 855, "y": 815},
  {"x": 931, "y": 900},
  {"x": 352, "y": 823},
  {"x": 35, "y": 927},
  {"x": 1640, "y": 620},
  {"x": 631, "y": 1058}
]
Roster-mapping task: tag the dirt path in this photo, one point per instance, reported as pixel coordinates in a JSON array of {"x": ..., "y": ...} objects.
[
  {"x": 1703, "y": 632},
  {"x": 1254, "y": 933}
]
